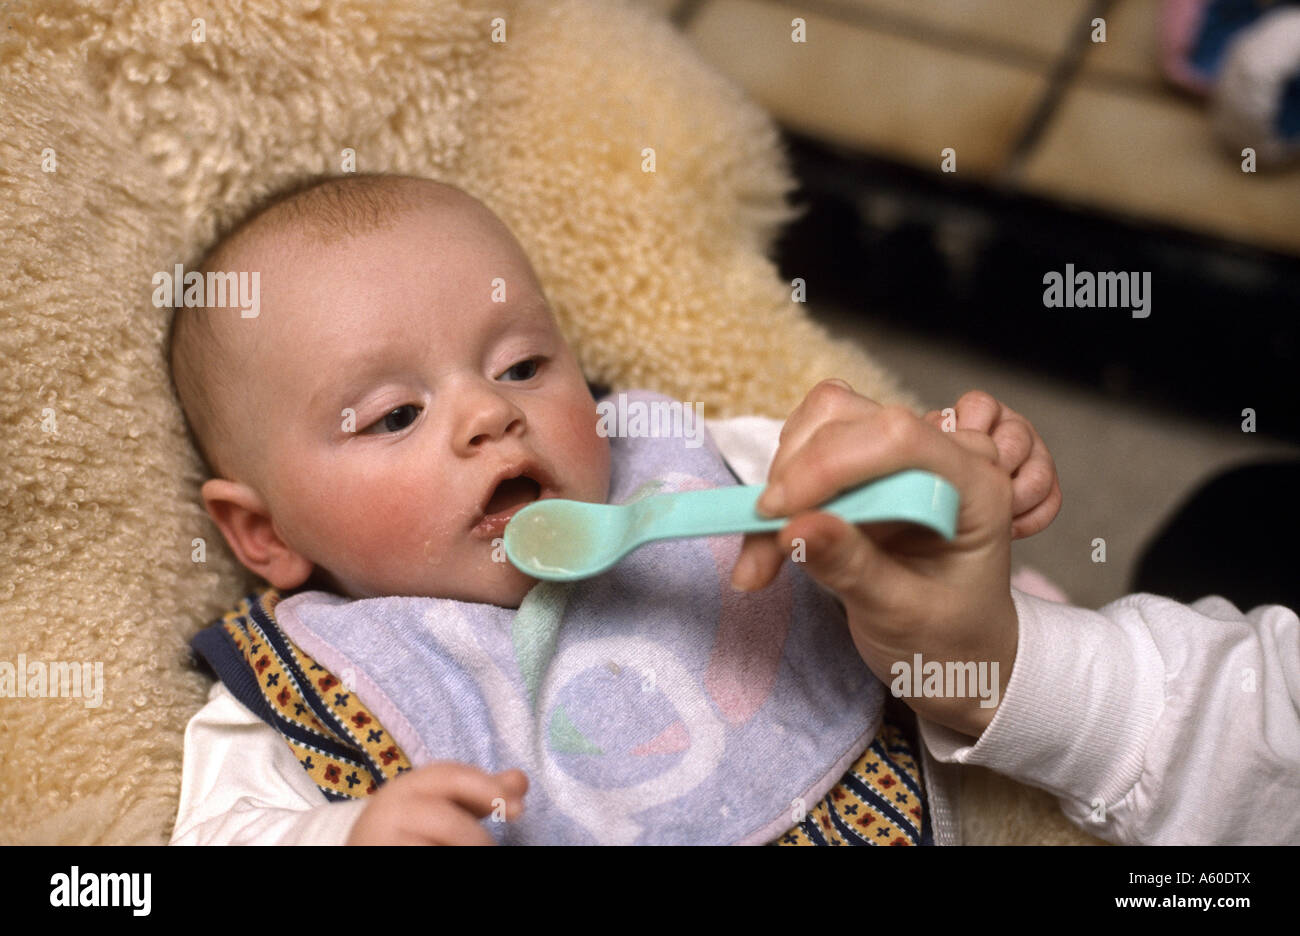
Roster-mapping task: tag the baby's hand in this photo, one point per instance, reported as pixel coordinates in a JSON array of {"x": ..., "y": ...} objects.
[
  {"x": 439, "y": 804},
  {"x": 905, "y": 590},
  {"x": 1035, "y": 487}
]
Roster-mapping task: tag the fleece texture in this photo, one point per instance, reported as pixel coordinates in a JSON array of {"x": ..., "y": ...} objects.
[{"x": 128, "y": 145}]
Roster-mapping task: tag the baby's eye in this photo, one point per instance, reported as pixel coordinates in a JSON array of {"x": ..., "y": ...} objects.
[
  {"x": 530, "y": 366},
  {"x": 396, "y": 420}
]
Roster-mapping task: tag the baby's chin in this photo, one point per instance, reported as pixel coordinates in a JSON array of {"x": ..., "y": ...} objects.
[
  {"x": 509, "y": 590},
  {"x": 499, "y": 584}
]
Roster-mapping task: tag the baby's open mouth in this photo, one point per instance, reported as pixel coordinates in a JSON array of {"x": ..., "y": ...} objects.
[
  {"x": 510, "y": 493},
  {"x": 519, "y": 483}
]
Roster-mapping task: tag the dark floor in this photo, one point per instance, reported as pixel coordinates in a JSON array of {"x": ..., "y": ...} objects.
[{"x": 965, "y": 265}]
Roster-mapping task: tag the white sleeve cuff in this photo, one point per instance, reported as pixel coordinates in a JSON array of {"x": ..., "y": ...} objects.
[{"x": 1078, "y": 709}]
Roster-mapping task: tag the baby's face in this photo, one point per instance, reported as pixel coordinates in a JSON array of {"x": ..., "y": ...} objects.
[{"x": 451, "y": 390}]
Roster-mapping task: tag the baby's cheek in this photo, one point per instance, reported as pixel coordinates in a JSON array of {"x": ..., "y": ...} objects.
[
  {"x": 378, "y": 522},
  {"x": 406, "y": 519},
  {"x": 592, "y": 450}
]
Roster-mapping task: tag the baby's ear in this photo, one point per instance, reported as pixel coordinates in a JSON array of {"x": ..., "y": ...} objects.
[{"x": 244, "y": 521}]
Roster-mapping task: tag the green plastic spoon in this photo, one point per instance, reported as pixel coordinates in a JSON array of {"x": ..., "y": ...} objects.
[{"x": 564, "y": 540}]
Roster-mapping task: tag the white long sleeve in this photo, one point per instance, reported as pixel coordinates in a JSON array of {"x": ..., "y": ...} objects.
[
  {"x": 1152, "y": 721},
  {"x": 241, "y": 783}
]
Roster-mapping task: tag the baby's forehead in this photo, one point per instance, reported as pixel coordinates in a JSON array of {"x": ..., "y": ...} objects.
[
  {"x": 315, "y": 218},
  {"x": 294, "y": 244},
  {"x": 316, "y": 236}
]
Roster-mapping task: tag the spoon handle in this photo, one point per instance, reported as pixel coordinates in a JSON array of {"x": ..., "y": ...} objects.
[{"x": 912, "y": 495}]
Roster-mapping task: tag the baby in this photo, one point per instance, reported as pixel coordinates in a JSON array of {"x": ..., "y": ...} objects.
[{"x": 402, "y": 392}]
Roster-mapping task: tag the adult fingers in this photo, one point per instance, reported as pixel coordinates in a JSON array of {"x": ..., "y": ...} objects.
[
  {"x": 977, "y": 410},
  {"x": 840, "y": 455},
  {"x": 759, "y": 561},
  {"x": 1039, "y": 517},
  {"x": 1015, "y": 441},
  {"x": 840, "y": 557},
  {"x": 828, "y": 400},
  {"x": 1032, "y": 482},
  {"x": 976, "y": 442}
]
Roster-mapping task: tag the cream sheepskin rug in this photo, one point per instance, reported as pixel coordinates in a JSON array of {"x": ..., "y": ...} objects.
[{"x": 128, "y": 145}]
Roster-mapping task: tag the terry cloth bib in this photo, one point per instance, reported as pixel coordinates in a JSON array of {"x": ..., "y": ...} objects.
[{"x": 652, "y": 704}]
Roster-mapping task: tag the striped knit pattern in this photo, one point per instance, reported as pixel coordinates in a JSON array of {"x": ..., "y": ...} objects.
[
  {"x": 879, "y": 801},
  {"x": 340, "y": 744}
]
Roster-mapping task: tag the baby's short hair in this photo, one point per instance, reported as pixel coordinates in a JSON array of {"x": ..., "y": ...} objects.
[{"x": 201, "y": 358}]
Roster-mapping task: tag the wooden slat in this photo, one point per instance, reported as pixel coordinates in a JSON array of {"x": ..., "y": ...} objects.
[
  {"x": 1156, "y": 157},
  {"x": 875, "y": 90}
]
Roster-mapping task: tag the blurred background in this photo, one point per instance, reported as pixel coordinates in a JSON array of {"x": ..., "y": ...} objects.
[{"x": 1068, "y": 151}]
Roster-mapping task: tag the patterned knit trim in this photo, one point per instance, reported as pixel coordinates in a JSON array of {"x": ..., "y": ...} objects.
[
  {"x": 336, "y": 739},
  {"x": 879, "y": 801}
]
